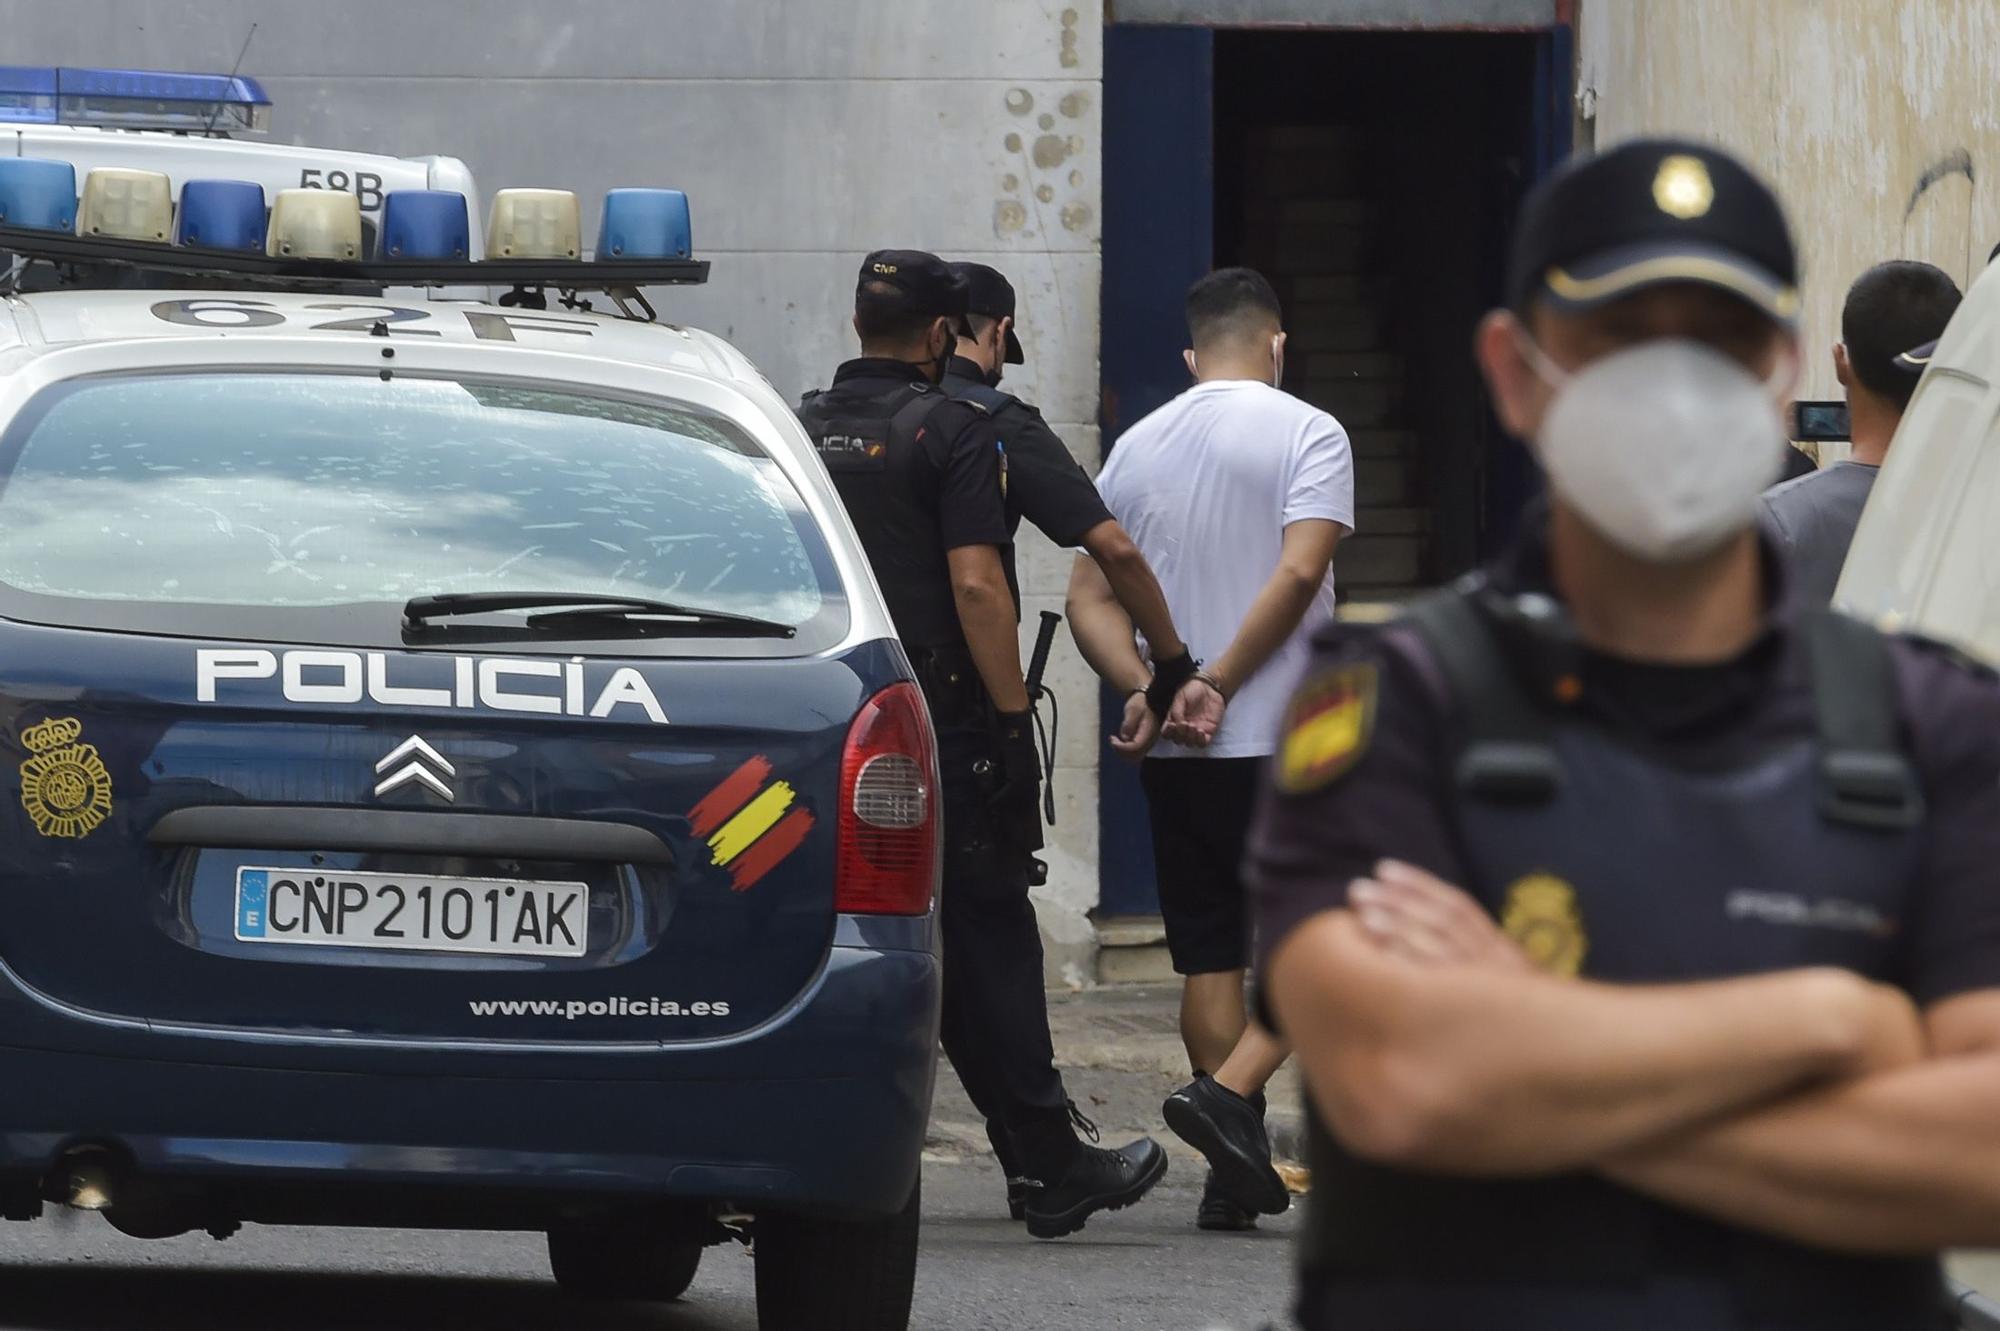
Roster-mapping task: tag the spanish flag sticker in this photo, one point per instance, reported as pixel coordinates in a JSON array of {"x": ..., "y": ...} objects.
[
  {"x": 749, "y": 823},
  {"x": 1328, "y": 727}
]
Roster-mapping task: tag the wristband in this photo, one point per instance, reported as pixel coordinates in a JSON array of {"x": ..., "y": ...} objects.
[
  {"x": 1168, "y": 677},
  {"x": 1212, "y": 682}
]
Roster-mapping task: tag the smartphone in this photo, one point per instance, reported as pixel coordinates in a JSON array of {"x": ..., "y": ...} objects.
[{"x": 1820, "y": 422}]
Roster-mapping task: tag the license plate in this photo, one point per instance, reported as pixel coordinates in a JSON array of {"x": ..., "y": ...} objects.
[{"x": 511, "y": 917}]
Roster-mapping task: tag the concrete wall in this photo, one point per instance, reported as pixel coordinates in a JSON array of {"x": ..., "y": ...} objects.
[
  {"x": 805, "y": 132},
  {"x": 1876, "y": 121}
]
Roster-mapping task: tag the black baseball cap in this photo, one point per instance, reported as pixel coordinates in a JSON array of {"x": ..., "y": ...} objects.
[
  {"x": 990, "y": 294},
  {"x": 1648, "y": 212},
  {"x": 925, "y": 281}
]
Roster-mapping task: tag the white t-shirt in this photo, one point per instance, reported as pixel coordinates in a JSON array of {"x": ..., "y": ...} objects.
[{"x": 1206, "y": 486}]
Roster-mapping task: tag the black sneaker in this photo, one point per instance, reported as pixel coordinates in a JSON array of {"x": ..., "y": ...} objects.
[
  {"x": 1098, "y": 1180},
  {"x": 1226, "y": 1128},
  {"x": 1219, "y": 1212}
]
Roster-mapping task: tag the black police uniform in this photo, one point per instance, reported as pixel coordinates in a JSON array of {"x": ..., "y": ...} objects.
[
  {"x": 1829, "y": 797},
  {"x": 1045, "y": 484},
  {"x": 920, "y": 473}
]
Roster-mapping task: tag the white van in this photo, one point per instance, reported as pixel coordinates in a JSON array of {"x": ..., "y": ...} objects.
[{"x": 1926, "y": 556}]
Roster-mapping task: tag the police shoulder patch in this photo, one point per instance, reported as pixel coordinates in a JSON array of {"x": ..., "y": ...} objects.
[{"x": 1328, "y": 727}]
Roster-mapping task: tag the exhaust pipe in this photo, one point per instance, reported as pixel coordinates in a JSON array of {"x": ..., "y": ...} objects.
[{"x": 89, "y": 1179}]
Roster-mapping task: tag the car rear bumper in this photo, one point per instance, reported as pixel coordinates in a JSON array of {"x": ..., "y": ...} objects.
[{"x": 821, "y": 1110}]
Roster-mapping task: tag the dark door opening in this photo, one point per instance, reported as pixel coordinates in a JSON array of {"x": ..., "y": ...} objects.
[{"x": 1372, "y": 176}]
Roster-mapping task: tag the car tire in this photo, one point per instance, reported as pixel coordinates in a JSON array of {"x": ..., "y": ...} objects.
[
  {"x": 837, "y": 1275},
  {"x": 633, "y": 1264}
]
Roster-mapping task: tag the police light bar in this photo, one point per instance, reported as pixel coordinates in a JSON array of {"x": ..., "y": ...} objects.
[
  {"x": 251, "y": 268},
  {"x": 133, "y": 99}
]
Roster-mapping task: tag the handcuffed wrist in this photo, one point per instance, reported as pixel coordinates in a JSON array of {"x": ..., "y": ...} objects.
[{"x": 1168, "y": 677}]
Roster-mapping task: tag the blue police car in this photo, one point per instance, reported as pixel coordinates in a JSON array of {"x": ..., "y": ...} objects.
[{"x": 460, "y": 773}]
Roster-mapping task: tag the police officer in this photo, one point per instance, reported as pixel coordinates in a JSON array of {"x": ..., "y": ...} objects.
[
  {"x": 1046, "y": 486},
  {"x": 1638, "y": 932},
  {"x": 1044, "y": 483},
  {"x": 920, "y": 474}
]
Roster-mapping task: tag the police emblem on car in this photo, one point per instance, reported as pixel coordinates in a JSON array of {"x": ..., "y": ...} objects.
[{"x": 64, "y": 785}]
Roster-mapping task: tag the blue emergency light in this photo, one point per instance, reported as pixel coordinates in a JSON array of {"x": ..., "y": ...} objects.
[
  {"x": 37, "y": 194},
  {"x": 27, "y": 95},
  {"x": 424, "y": 224},
  {"x": 645, "y": 224},
  {"x": 221, "y": 215},
  {"x": 223, "y": 234},
  {"x": 132, "y": 99}
]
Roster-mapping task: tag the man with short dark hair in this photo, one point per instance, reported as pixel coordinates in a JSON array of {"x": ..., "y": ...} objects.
[
  {"x": 1891, "y": 309},
  {"x": 1237, "y": 492},
  {"x": 920, "y": 473}
]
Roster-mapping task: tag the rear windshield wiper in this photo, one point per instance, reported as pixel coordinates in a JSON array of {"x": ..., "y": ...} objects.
[{"x": 571, "y": 610}]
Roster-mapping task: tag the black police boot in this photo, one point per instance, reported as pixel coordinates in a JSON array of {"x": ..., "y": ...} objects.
[
  {"x": 1075, "y": 1180},
  {"x": 1219, "y": 1212},
  {"x": 1229, "y": 1130},
  {"x": 1004, "y": 1151}
]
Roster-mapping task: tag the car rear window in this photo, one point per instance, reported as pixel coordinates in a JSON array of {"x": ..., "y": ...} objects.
[{"x": 215, "y": 498}]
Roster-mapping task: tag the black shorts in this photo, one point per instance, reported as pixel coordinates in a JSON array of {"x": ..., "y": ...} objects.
[{"x": 1200, "y": 809}]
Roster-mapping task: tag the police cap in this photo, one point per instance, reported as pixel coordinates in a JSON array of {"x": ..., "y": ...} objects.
[
  {"x": 989, "y": 293},
  {"x": 1917, "y": 359},
  {"x": 1649, "y": 212},
  {"x": 924, "y": 281}
]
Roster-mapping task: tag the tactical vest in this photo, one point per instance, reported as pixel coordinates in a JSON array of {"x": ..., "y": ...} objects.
[
  {"x": 991, "y": 400},
  {"x": 886, "y": 467},
  {"x": 1609, "y": 862}
]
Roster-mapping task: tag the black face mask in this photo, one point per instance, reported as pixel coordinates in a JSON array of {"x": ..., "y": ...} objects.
[
  {"x": 943, "y": 361},
  {"x": 993, "y": 377}
]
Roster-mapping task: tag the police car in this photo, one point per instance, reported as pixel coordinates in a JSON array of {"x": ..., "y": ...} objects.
[{"x": 462, "y": 771}]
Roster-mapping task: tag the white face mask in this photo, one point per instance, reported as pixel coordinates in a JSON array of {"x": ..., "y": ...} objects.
[{"x": 1662, "y": 448}]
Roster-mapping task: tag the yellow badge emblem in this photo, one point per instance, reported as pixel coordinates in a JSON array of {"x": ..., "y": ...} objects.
[
  {"x": 1682, "y": 188},
  {"x": 1328, "y": 728},
  {"x": 1542, "y": 917},
  {"x": 64, "y": 786}
]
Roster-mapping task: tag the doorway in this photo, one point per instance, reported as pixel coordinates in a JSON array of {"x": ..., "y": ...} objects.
[{"x": 1372, "y": 176}]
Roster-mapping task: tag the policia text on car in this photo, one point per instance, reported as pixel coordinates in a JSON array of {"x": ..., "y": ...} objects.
[
  {"x": 1638, "y": 933},
  {"x": 923, "y": 475}
]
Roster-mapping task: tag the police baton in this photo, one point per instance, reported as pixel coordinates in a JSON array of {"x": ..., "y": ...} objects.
[
  {"x": 1038, "y": 692},
  {"x": 1038, "y": 664}
]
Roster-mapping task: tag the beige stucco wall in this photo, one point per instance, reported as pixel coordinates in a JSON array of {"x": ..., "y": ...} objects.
[{"x": 1877, "y": 120}]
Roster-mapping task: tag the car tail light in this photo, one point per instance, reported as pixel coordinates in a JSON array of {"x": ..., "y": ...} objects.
[{"x": 889, "y": 815}]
